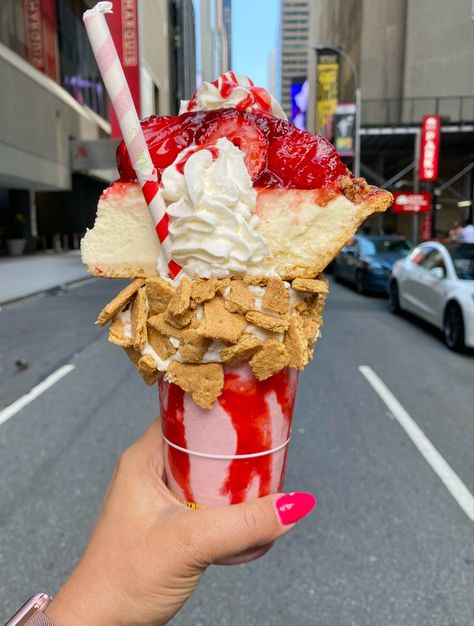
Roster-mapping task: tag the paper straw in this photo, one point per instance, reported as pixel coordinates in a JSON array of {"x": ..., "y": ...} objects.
[{"x": 122, "y": 102}]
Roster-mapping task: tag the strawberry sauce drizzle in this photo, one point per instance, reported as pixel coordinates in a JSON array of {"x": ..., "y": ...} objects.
[
  {"x": 173, "y": 422},
  {"x": 246, "y": 403},
  {"x": 181, "y": 164},
  {"x": 226, "y": 84}
]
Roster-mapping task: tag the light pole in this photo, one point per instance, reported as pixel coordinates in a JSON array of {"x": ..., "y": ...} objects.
[{"x": 358, "y": 100}]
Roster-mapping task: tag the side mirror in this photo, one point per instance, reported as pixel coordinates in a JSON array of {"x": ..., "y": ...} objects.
[{"x": 438, "y": 272}]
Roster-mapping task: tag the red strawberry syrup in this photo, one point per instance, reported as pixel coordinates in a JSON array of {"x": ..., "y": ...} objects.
[
  {"x": 247, "y": 402},
  {"x": 174, "y": 423}
]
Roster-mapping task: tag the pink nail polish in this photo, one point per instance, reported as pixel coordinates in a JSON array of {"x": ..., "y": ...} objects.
[{"x": 292, "y": 507}]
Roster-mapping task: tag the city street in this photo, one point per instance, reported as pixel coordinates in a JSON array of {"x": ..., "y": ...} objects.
[{"x": 387, "y": 545}]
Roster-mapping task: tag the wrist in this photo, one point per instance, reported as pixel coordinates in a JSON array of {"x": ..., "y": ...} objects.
[{"x": 76, "y": 605}]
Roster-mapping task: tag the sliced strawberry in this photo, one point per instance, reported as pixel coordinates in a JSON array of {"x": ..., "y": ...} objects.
[
  {"x": 166, "y": 137},
  {"x": 302, "y": 160},
  {"x": 276, "y": 153},
  {"x": 243, "y": 132}
]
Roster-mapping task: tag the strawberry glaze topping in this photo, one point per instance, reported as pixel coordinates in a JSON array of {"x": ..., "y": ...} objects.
[{"x": 277, "y": 154}]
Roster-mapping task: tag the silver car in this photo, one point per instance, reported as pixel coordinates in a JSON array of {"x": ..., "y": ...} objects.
[{"x": 436, "y": 282}]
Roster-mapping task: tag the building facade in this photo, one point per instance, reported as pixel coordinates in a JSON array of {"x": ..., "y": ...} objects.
[
  {"x": 216, "y": 38},
  {"x": 292, "y": 46},
  {"x": 413, "y": 58},
  {"x": 227, "y": 20},
  {"x": 56, "y": 154},
  {"x": 183, "y": 66}
]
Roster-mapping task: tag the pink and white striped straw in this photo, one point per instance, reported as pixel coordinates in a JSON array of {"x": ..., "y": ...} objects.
[{"x": 122, "y": 101}]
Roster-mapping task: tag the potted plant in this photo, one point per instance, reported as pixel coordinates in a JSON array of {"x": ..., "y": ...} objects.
[{"x": 16, "y": 240}]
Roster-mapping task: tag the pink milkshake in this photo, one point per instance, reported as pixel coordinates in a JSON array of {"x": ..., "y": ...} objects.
[{"x": 235, "y": 451}]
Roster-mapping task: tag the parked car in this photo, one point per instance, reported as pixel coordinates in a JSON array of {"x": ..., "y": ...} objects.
[
  {"x": 367, "y": 261},
  {"x": 436, "y": 283}
]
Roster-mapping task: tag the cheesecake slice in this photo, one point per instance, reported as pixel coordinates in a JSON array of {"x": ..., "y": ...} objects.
[
  {"x": 216, "y": 170},
  {"x": 304, "y": 228}
]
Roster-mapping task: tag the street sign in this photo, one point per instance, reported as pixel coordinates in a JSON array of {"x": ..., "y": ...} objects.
[
  {"x": 344, "y": 129},
  {"x": 98, "y": 154},
  {"x": 429, "y": 147},
  {"x": 412, "y": 202}
]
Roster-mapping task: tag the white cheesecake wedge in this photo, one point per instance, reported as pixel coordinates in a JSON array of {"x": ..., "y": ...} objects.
[{"x": 304, "y": 229}]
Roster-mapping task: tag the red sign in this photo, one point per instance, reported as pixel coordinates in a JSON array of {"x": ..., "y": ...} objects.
[
  {"x": 123, "y": 25},
  {"x": 411, "y": 202},
  {"x": 40, "y": 35},
  {"x": 429, "y": 149},
  {"x": 426, "y": 224}
]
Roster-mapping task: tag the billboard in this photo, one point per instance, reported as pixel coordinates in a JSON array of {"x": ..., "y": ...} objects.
[
  {"x": 327, "y": 94},
  {"x": 344, "y": 129},
  {"x": 123, "y": 23},
  {"x": 411, "y": 202},
  {"x": 429, "y": 147},
  {"x": 299, "y": 95}
]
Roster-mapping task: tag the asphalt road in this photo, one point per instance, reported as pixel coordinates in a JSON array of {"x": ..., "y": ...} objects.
[{"x": 387, "y": 544}]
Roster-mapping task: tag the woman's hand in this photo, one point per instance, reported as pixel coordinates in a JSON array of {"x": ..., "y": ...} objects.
[{"x": 148, "y": 551}]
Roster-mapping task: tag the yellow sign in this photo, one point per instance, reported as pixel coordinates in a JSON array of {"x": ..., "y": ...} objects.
[{"x": 328, "y": 90}]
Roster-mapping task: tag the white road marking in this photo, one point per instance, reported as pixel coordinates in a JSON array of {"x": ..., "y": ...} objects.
[
  {"x": 445, "y": 472},
  {"x": 48, "y": 382}
]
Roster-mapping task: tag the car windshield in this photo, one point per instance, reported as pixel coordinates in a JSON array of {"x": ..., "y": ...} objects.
[
  {"x": 374, "y": 246},
  {"x": 463, "y": 259}
]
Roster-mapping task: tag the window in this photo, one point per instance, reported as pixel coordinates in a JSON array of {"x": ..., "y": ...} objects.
[
  {"x": 12, "y": 26},
  {"x": 78, "y": 68},
  {"x": 372, "y": 246},
  {"x": 433, "y": 259},
  {"x": 463, "y": 259},
  {"x": 419, "y": 254}
]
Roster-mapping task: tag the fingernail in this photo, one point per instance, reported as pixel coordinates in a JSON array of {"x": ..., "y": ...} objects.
[{"x": 292, "y": 507}]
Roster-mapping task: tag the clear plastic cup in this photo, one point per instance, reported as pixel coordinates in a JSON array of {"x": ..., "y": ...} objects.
[{"x": 235, "y": 451}]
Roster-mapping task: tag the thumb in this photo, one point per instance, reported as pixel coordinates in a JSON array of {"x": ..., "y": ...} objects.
[{"x": 229, "y": 531}]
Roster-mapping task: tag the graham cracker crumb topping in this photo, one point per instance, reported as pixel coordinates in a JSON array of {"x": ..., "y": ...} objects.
[
  {"x": 138, "y": 318},
  {"x": 240, "y": 299},
  {"x": 204, "y": 381},
  {"x": 117, "y": 334},
  {"x": 268, "y": 322},
  {"x": 159, "y": 293},
  {"x": 311, "y": 285},
  {"x": 277, "y": 296},
  {"x": 201, "y": 324},
  {"x": 117, "y": 304},
  {"x": 219, "y": 323},
  {"x": 270, "y": 359}
]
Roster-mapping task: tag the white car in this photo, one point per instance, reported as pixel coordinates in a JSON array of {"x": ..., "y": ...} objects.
[{"x": 436, "y": 282}]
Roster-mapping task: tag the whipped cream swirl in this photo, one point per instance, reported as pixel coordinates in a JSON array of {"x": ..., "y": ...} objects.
[
  {"x": 210, "y": 204},
  {"x": 231, "y": 91}
]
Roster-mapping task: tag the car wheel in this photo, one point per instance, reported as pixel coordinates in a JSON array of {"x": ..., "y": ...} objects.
[
  {"x": 393, "y": 299},
  {"x": 359, "y": 282},
  {"x": 454, "y": 327}
]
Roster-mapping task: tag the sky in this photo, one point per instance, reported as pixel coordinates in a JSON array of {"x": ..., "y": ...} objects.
[{"x": 254, "y": 34}]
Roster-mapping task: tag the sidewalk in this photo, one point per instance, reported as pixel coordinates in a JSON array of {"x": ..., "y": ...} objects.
[{"x": 27, "y": 275}]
